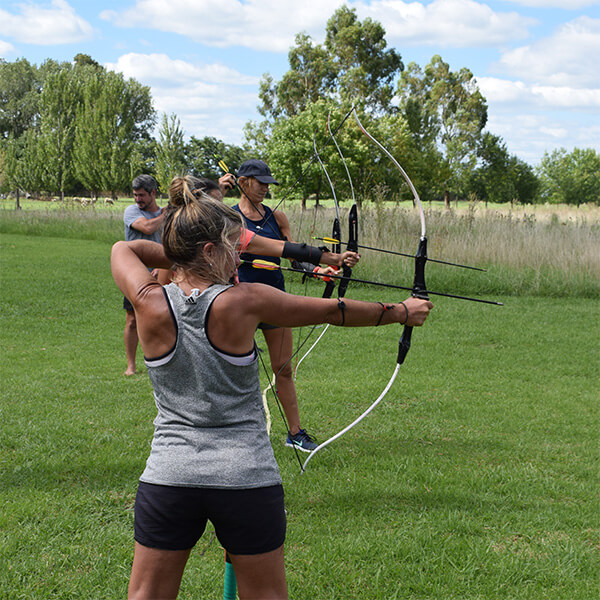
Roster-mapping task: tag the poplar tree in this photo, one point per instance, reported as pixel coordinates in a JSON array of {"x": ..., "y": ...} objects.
[
  {"x": 170, "y": 152},
  {"x": 58, "y": 102},
  {"x": 112, "y": 116}
]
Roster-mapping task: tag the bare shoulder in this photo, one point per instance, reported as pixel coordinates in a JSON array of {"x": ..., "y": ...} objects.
[
  {"x": 246, "y": 294},
  {"x": 248, "y": 300},
  {"x": 281, "y": 217},
  {"x": 154, "y": 321},
  {"x": 283, "y": 224},
  {"x": 150, "y": 301}
]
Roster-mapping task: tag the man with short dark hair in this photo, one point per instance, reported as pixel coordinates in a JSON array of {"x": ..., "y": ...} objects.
[{"x": 143, "y": 221}]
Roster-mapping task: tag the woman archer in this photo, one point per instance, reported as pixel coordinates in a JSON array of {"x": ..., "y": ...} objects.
[{"x": 211, "y": 458}]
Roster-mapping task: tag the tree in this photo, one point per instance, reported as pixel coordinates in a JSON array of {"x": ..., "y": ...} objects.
[
  {"x": 501, "y": 177},
  {"x": 352, "y": 67},
  {"x": 204, "y": 154},
  {"x": 70, "y": 125},
  {"x": 490, "y": 180},
  {"x": 170, "y": 152},
  {"x": 444, "y": 110},
  {"x": 308, "y": 79},
  {"x": 363, "y": 69},
  {"x": 290, "y": 150},
  {"x": 112, "y": 116},
  {"x": 19, "y": 95},
  {"x": 21, "y": 163},
  {"x": 572, "y": 178},
  {"x": 525, "y": 181},
  {"x": 83, "y": 60},
  {"x": 57, "y": 104}
]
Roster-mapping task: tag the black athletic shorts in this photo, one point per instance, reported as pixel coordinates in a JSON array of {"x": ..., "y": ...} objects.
[{"x": 249, "y": 521}]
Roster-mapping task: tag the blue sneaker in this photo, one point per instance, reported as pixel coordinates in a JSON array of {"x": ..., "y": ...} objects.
[{"x": 302, "y": 441}]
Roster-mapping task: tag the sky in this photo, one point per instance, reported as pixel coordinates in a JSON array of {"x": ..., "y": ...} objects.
[{"x": 535, "y": 61}]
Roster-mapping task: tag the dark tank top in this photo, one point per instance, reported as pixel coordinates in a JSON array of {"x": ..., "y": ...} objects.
[{"x": 267, "y": 227}]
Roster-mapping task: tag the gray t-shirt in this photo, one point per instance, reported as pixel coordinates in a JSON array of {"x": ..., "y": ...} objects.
[
  {"x": 210, "y": 430},
  {"x": 133, "y": 213}
]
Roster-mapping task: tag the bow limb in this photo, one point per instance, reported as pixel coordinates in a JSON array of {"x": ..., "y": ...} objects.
[
  {"x": 337, "y": 236},
  {"x": 337, "y": 247},
  {"x": 355, "y": 422},
  {"x": 352, "y": 244},
  {"x": 332, "y": 137},
  {"x": 336, "y": 229},
  {"x": 419, "y": 290},
  {"x": 419, "y": 286}
]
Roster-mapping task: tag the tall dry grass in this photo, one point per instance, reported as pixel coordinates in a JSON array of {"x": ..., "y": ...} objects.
[{"x": 535, "y": 250}]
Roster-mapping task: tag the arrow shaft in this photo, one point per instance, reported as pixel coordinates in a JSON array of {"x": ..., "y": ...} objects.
[
  {"x": 273, "y": 266},
  {"x": 395, "y": 253}
]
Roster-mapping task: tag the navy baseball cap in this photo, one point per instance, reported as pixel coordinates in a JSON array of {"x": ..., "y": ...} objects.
[{"x": 257, "y": 169}]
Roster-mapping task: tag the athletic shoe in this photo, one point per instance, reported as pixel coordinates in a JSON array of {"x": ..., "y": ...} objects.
[{"x": 302, "y": 440}]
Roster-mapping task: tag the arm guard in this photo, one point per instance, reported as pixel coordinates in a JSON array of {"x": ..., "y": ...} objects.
[{"x": 302, "y": 253}]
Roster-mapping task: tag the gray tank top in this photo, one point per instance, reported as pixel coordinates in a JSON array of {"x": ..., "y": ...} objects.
[{"x": 210, "y": 430}]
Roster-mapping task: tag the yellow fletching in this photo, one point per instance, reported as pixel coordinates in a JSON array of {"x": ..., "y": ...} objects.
[
  {"x": 329, "y": 240},
  {"x": 264, "y": 264},
  {"x": 224, "y": 166}
]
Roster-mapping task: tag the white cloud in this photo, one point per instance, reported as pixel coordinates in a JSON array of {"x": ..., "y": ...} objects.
[
  {"x": 160, "y": 68},
  {"x": 529, "y": 135},
  {"x": 446, "y": 23},
  {"x": 569, "y": 57},
  {"x": 6, "y": 49},
  {"x": 269, "y": 25},
  {"x": 533, "y": 118},
  {"x": 563, "y": 4},
  {"x": 209, "y": 99},
  {"x": 519, "y": 93},
  {"x": 272, "y": 24},
  {"x": 45, "y": 26}
]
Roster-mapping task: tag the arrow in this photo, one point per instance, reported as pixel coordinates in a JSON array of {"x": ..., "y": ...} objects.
[
  {"x": 265, "y": 264},
  {"x": 328, "y": 240}
]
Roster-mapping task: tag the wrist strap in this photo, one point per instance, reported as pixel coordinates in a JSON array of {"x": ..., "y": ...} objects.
[
  {"x": 406, "y": 317},
  {"x": 342, "y": 307},
  {"x": 384, "y": 308}
]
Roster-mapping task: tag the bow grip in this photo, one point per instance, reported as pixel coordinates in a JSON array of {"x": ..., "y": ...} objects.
[
  {"x": 329, "y": 287},
  {"x": 419, "y": 291},
  {"x": 347, "y": 273},
  {"x": 336, "y": 234}
]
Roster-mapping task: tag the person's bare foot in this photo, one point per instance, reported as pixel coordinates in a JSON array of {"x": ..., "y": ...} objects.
[{"x": 129, "y": 371}]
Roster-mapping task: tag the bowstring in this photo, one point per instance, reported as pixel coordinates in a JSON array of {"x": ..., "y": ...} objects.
[
  {"x": 277, "y": 402},
  {"x": 299, "y": 341}
]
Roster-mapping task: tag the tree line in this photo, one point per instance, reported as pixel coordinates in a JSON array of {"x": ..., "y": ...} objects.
[
  {"x": 76, "y": 128},
  {"x": 79, "y": 129}
]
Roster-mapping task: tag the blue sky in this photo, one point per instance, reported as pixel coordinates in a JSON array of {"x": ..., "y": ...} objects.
[{"x": 536, "y": 61}]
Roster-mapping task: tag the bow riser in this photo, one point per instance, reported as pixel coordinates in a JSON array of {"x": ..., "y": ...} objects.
[
  {"x": 351, "y": 246},
  {"x": 419, "y": 291},
  {"x": 337, "y": 232}
]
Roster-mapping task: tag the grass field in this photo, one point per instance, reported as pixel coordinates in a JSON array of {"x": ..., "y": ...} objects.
[{"x": 477, "y": 477}]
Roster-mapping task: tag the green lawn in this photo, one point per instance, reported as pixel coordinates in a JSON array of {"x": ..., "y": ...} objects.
[{"x": 477, "y": 477}]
